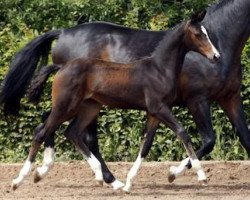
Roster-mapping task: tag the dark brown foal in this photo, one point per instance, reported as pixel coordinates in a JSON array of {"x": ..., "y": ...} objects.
[{"x": 82, "y": 86}]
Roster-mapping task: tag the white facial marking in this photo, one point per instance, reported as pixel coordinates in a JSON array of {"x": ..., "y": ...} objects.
[
  {"x": 197, "y": 167},
  {"x": 132, "y": 173},
  {"x": 95, "y": 166},
  {"x": 216, "y": 52},
  {"x": 48, "y": 161},
  {"x": 117, "y": 184},
  {"x": 177, "y": 171},
  {"x": 25, "y": 171}
]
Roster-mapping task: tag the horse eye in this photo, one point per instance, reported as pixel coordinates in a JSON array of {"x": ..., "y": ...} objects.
[{"x": 197, "y": 34}]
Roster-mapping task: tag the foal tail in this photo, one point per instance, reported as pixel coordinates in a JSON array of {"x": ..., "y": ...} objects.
[
  {"x": 37, "y": 84},
  {"x": 22, "y": 68}
]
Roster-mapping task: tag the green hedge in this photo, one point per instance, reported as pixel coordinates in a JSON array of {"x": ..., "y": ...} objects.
[{"x": 120, "y": 131}]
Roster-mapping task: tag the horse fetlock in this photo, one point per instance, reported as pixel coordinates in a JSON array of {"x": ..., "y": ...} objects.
[
  {"x": 198, "y": 168},
  {"x": 201, "y": 175},
  {"x": 98, "y": 175}
]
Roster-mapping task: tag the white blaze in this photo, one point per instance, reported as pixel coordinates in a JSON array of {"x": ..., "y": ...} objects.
[{"x": 216, "y": 52}]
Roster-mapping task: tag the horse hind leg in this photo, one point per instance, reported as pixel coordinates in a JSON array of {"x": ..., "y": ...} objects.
[
  {"x": 40, "y": 134},
  {"x": 86, "y": 114},
  {"x": 91, "y": 140},
  {"x": 62, "y": 97},
  {"x": 48, "y": 159}
]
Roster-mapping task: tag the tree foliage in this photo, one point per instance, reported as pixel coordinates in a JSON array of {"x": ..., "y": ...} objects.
[{"x": 120, "y": 131}]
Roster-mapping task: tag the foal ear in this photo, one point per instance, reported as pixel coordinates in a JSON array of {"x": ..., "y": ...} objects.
[{"x": 198, "y": 17}]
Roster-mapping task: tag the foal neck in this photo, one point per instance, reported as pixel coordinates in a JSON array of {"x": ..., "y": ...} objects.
[{"x": 171, "y": 51}]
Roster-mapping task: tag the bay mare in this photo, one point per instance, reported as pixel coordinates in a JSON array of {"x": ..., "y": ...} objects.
[
  {"x": 84, "y": 85},
  {"x": 228, "y": 24}
]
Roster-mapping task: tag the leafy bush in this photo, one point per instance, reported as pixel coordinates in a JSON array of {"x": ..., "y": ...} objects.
[{"x": 120, "y": 131}]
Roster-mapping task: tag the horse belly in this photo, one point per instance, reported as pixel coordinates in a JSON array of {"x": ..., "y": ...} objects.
[{"x": 120, "y": 97}]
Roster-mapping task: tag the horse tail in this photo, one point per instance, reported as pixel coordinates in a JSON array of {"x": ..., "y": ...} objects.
[
  {"x": 37, "y": 85},
  {"x": 26, "y": 61}
]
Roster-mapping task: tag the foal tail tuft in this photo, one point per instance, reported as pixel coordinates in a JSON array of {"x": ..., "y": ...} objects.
[
  {"x": 37, "y": 84},
  {"x": 26, "y": 61}
]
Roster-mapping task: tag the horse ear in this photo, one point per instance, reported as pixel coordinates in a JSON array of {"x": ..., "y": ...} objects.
[{"x": 198, "y": 17}]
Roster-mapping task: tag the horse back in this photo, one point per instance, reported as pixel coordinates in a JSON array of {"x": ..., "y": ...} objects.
[{"x": 105, "y": 41}]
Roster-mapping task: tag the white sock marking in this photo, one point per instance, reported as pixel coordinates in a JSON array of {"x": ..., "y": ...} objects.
[
  {"x": 25, "y": 171},
  {"x": 216, "y": 52},
  {"x": 177, "y": 171},
  {"x": 117, "y": 184},
  {"x": 132, "y": 173},
  {"x": 48, "y": 161},
  {"x": 197, "y": 167},
  {"x": 95, "y": 166}
]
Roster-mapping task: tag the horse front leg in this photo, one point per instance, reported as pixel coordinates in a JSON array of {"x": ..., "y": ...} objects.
[
  {"x": 202, "y": 118},
  {"x": 164, "y": 114},
  {"x": 233, "y": 107},
  {"x": 149, "y": 133}
]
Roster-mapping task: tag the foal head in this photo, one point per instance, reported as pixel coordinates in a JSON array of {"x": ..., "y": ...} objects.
[{"x": 196, "y": 38}]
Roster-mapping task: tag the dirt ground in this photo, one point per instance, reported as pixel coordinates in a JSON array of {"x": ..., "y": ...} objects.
[{"x": 74, "y": 180}]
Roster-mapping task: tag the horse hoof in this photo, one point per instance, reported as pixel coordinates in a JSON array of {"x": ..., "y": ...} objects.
[
  {"x": 117, "y": 185},
  {"x": 100, "y": 183},
  {"x": 126, "y": 190},
  {"x": 203, "y": 182},
  {"x": 171, "y": 177},
  {"x": 37, "y": 177},
  {"x": 14, "y": 186}
]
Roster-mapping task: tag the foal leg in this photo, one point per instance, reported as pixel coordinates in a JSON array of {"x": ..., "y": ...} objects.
[
  {"x": 48, "y": 159},
  {"x": 165, "y": 115},
  {"x": 48, "y": 155},
  {"x": 202, "y": 117},
  {"x": 149, "y": 133},
  {"x": 41, "y": 132},
  {"x": 91, "y": 140},
  {"x": 86, "y": 114}
]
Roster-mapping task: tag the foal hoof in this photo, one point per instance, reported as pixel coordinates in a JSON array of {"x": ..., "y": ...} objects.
[
  {"x": 117, "y": 185},
  {"x": 100, "y": 183},
  {"x": 203, "y": 182},
  {"x": 171, "y": 177},
  {"x": 126, "y": 190},
  {"x": 14, "y": 186},
  {"x": 37, "y": 177}
]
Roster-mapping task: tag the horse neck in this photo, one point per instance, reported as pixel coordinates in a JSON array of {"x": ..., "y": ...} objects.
[
  {"x": 229, "y": 27},
  {"x": 170, "y": 53}
]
